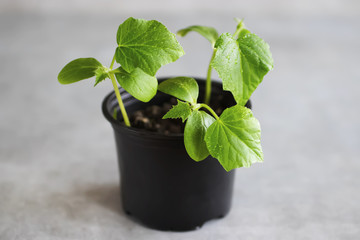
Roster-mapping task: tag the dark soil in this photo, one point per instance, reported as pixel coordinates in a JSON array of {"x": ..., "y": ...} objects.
[{"x": 151, "y": 117}]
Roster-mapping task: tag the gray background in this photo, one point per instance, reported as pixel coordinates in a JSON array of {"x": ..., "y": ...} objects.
[{"x": 58, "y": 169}]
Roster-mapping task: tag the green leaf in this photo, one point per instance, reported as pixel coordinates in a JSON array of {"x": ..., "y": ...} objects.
[
  {"x": 78, "y": 69},
  {"x": 194, "y": 134},
  {"x": 241, "y": 64},
  {"x": 255, "y": 55},
  {"x": 181, "y": 110},
  {"x": 139, "y": 84},
  {"x": 147, "y": 45},
  {"x": 227, "y": 63},
  {"x": 184, "y": 88},
  {"x": 234, "y": 139},
  {"x": 209, "y": 33},
  {"x": 101, "y": 73}
]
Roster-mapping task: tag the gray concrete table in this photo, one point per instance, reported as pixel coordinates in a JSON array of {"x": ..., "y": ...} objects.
[{"x": 58, "y": 169}]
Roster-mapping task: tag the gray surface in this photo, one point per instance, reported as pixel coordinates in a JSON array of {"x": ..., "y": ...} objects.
[{"x": 58, "y": 170}]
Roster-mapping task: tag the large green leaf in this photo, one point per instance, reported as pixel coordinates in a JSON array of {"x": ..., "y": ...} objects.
[
  {"x": 181, "y": 110},
  {"x": 241, "y": 64},
  {"x": 194, "y": 134},
  {"x": 147, "y": 45},
  {"x": 78, "y": 69},
  {"x": 184, "y": 88},
  {"x": 234, "y": 139},
  {"x": 139, "y": 84},
  {"x": 209, "y": 33}
]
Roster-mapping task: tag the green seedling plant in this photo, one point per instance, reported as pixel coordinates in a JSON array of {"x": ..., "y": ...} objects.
[
  {"x": 241, "y": 60},
  {"x": 142, "y": 48}
]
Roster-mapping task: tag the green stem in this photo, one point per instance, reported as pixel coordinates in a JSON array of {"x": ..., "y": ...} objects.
[
  {"x": 238, "y": 30},
  {"x": 121, "y": 104},
  {"x": 112, "y": 62},
  {"x": 203, "y": 105},
  {"x": 114, "y": 71},
  {"x": 236, "y": 34},
  {"x": 117, "y": 93},
  {"x": 208, "y": 80}
]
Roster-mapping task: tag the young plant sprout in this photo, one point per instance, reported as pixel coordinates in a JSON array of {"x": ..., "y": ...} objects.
[
  {"x": 241, "y": 59},
  {"x": 142, "y": 48}
]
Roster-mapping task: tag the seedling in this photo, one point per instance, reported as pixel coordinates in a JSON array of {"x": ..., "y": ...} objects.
[
  {"x": 241, "y": 59},
  {"x": 142, "y": 48}
]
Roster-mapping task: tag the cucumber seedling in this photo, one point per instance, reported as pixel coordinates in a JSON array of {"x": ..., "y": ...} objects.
[
  {"x": 241, "y": 60},
  {"x": 142, "y": 48}
]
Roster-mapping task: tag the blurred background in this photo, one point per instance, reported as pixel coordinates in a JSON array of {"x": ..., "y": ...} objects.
[{"x": 58, "y": 169}]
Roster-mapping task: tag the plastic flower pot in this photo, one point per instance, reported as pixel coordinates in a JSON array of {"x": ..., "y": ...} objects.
[{"x": 161, "y": 186}]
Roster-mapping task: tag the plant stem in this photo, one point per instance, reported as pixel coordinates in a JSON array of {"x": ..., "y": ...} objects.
[
  {"x": 203, "y": 105},
  {"x": 238, "y": 30},
  {"x": 121, "y": 104},
  {"x": 208, "y": 80},
  {"x": 117, "y": 94},
  {"x": 112, "y": 62},
  {"x": 236, "y": 34}
]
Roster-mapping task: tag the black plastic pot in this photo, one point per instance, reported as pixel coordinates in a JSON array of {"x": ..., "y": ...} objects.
[{"x": 161, "y": 186}]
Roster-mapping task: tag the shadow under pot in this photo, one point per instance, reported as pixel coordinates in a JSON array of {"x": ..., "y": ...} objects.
[{"x": 161, "y": 186}]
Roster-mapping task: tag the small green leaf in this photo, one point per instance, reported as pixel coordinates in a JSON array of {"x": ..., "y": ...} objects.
[
  {"x": 184, "y": 88},
  {"x": 181, "y": 110},
  {"x": 239, "y": 27},
  {"x": 194, "y": 134},
  {"x": 209, "y": 33},
  {"x": 147, "y": 45},
  {"x": 139, "y": 84},
  {"x": 234, "y": 139},
  {"x": 101, "y": 73},
  {"x": 78, "y": 69}
]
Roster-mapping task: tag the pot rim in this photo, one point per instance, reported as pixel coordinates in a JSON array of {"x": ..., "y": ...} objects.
[
  {"x": 131, "y": 130},
  {"x": 136, "y": 131}
]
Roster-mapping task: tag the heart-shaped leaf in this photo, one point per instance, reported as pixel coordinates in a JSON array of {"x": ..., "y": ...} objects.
[
  {"x": 147, "y": 45},
  {"x": 241, "y": 64},
  {"x": 234, "y": 139}
]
